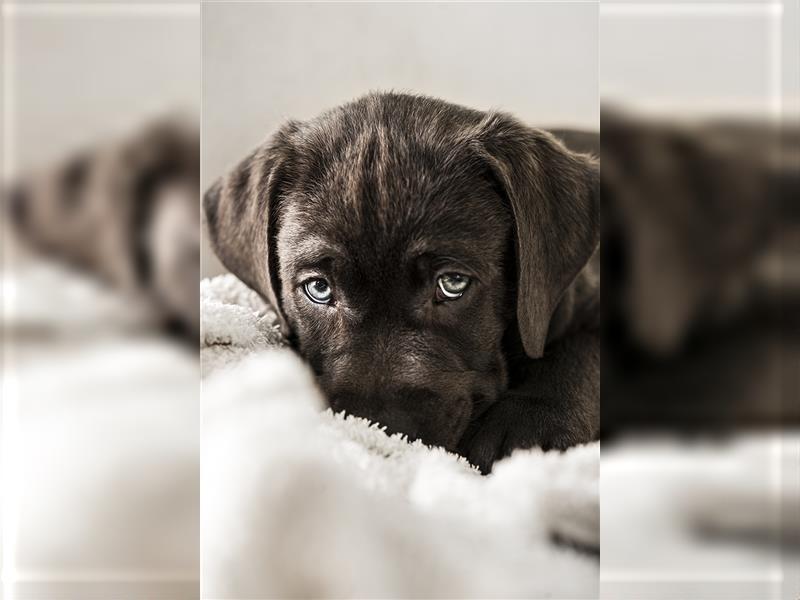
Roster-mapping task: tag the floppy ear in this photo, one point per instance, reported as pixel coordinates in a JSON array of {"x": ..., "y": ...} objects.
[
  {"x": 241, "y": 217},
  {"x": 554, "y": 195}
]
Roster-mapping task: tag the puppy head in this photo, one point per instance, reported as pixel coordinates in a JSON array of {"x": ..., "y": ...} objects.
[{"x": 399, "y": 238}]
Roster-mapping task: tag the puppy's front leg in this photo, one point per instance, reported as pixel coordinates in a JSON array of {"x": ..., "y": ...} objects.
[{"x": 556, "y": 406}]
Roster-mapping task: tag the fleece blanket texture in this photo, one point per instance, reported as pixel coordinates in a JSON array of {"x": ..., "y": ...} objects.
[
  {"x": 300, "y": 502},
  {"x": 100, "y": 439}
]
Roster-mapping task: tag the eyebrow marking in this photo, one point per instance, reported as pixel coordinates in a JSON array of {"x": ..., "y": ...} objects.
[
  {"x": 455, "y": 253},
  {"x": 312, "y": 251}
]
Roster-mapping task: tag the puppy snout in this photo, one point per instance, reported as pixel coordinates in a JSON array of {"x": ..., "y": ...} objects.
[{"x": 401, "y": 410}]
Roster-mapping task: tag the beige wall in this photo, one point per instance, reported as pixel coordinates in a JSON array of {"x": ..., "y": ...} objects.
[{"x": 79, "y": 73}]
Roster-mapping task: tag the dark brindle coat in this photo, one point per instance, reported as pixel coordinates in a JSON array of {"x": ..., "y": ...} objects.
[{"x": 380, "y": 198}]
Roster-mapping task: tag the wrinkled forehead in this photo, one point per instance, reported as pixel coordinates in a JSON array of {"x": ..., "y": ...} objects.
[
  {"x": 388, "y": 200},
  {"x": 310, "y": 240}
]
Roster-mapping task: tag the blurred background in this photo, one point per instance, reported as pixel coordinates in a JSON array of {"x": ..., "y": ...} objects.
[
  {"x": 100, "y": 261},
  {"x": 700, "y": 159}
]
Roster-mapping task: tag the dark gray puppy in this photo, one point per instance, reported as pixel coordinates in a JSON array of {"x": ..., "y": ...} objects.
[{"x": 434, "y": 264}]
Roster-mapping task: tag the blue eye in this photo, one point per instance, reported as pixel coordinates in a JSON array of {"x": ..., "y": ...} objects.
[
  {"x": 318, "y": 290},
  {"x": 451, "y": 286}
]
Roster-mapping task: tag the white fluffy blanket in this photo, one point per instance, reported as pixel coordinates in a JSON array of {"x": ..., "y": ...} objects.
[
  {"x": 100, "y": 444},
  {"x": 300, "y": 502}
]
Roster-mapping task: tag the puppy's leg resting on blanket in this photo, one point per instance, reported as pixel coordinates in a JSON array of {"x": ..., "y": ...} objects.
[{"x": 556, "y": 406}]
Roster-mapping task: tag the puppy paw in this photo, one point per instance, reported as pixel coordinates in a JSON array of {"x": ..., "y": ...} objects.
[{"x": 515, "y": 423}]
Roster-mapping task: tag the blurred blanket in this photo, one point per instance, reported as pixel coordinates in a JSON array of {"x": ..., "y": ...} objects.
[
  {"x": 100, "y": 442},
  {"x": 300, "y": 502}
]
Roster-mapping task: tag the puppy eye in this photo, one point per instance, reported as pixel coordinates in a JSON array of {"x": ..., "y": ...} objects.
[
  {"x": 318, "y": 290},
  {"x": 451, "y": 286}
]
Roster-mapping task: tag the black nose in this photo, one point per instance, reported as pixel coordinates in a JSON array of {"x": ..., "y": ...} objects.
[
  {"x": 403, "y": 410},
  {"x": 379, "y": 409}
]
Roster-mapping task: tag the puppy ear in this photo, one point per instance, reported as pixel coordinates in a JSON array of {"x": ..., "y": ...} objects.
[
  {"x": 555, "y": 197},
  {"x": 241, "y": 217}
]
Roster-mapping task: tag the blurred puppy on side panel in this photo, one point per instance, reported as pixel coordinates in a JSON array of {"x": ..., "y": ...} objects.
[{"x": 127, "y": 213}]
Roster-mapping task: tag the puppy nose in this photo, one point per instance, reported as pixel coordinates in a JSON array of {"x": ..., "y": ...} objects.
[{"x": 395, "y": 410}]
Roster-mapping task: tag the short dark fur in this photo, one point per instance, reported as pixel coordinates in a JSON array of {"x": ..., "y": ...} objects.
[{"x": 381, "y": 195}]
